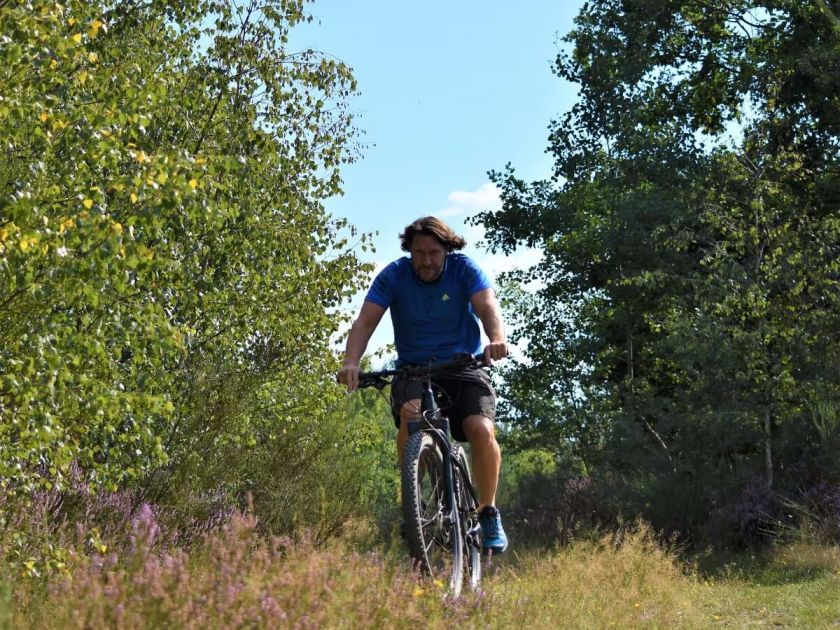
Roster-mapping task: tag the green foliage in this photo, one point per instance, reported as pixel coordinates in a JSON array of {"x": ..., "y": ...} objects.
[
  {"x": 687, "y": 309},
  {"x": 168, "y": 276}
]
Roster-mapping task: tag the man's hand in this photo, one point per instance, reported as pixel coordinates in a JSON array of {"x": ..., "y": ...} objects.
[
  {"x": 349, "y": 375},
  {"x": 494, "y": 351}
]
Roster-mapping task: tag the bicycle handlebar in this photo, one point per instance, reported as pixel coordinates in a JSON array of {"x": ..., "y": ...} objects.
[{"x": 377, "y": 379}]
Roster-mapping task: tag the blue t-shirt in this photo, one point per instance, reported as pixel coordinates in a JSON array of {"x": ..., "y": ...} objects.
[{"x": 435, "y": 320}]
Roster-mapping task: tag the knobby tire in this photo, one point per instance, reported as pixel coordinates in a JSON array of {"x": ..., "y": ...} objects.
[
  {"x": 468, "y": 511},
  {"x": 434, "y": 541}
]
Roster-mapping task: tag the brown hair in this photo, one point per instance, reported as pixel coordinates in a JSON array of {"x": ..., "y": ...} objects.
[{"x": 432, "y": 226}]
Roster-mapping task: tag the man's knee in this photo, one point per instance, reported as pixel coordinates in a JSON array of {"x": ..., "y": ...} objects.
[
  {"x": 410, "y": 410},
  {"x": 479, "y": 430}
]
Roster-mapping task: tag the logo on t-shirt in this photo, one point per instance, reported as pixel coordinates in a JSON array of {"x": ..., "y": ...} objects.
[{"x": 444, "y": 298}]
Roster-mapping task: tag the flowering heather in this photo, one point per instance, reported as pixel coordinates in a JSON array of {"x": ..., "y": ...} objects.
[
  {"x": 36, "y": 535},
  {"x": 236, "y": 578}
]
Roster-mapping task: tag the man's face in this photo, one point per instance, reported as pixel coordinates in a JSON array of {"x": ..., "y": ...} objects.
[{"x": 427, "y": 257}]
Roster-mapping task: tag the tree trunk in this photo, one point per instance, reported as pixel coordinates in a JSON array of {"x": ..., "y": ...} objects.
[{"x": 768, "y": 449}]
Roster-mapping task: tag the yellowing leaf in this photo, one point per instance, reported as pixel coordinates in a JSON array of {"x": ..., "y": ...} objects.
[
  {"x": 65, "y": 224},
  {"x": 117, "y": 228},
  {"x": 87, "y": 203},
  {"x": 27, "y": 243},
  {"x": 53, "y": 64},
  {"x": 142, "y": 157},
  {"x": 162, "y": 178},
  {"x": 71, "y": 21},
  {"x": 77, "y": 38},
  {"x": 133, "y": 198},
  {"x": 82, "y": 76},
  {"x": 93, "y": 57},
  {"x": 200, "y": 161},
  {"x": 93, "y": 31},
  {"x": 193, "y": 183}
]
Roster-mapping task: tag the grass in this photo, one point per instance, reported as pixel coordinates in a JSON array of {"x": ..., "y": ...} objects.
[
  {"x": 237, "y": 579},
  {"x": 793, "y": 586}
]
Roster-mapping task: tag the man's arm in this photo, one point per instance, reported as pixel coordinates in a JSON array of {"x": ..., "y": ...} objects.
[
  {"x": 487, "y": 308},
  {"x": 366, "y": 322}
]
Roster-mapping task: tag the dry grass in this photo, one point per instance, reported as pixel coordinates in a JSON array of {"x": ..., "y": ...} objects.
[
  {"x": 237, "y": 579},
  {"x": 631, "y": 582}
]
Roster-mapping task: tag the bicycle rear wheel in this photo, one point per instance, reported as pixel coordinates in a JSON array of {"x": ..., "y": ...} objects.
[
  {"x": 432, "y": 529},
  {"x": 470, "y": 526}
]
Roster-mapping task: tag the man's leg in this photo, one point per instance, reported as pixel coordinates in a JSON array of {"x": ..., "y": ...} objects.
[
  {"x": 486, "y": 457},
  {"x": 409, "y": 412},
  {"x": 486, "y": 462}
]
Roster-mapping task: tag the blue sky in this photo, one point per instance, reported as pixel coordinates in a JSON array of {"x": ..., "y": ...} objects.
[{"x": 448, "y": 91}]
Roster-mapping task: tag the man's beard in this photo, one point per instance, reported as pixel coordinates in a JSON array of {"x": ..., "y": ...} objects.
[{"x": 428, "y": 274}]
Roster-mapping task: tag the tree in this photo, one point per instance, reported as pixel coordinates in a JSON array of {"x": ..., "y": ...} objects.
[
  {"x": 689, "y": 280},
  {"x": 167, "y": 269}
]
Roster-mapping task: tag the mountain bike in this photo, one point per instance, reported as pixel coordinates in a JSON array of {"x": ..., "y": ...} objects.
[{"x": 439, "y": 502}]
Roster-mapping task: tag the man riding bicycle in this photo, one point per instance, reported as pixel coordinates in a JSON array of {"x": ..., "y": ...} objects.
[{"x": 437, "y": 297}]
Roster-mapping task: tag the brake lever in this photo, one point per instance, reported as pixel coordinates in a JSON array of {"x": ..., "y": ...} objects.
[{"x": 373, "y": 381}]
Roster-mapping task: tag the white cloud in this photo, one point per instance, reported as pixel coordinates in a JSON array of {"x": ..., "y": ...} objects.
[
  {"x": 486, "y": 197},
  {"x": 495, "y": 264},
  {"x": 468, "y": 202}
]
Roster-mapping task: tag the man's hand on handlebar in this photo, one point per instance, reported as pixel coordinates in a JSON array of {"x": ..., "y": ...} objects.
[
  {"x": 349, "y": 375},
  {"x": 494, "y": 351}
]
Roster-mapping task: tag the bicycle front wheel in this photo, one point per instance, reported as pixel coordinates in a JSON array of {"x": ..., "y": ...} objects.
[{"x": 432, "y": 528}]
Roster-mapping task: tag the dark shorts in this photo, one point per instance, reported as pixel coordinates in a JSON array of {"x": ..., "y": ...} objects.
[{"x": 460, "y": 393}]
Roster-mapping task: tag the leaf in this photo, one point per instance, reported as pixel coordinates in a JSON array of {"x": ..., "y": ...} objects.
[{"x": 93, "y": 30}]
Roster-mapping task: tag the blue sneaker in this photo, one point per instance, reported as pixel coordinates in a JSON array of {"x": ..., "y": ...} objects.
[{"x": 492, "y": 533}]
